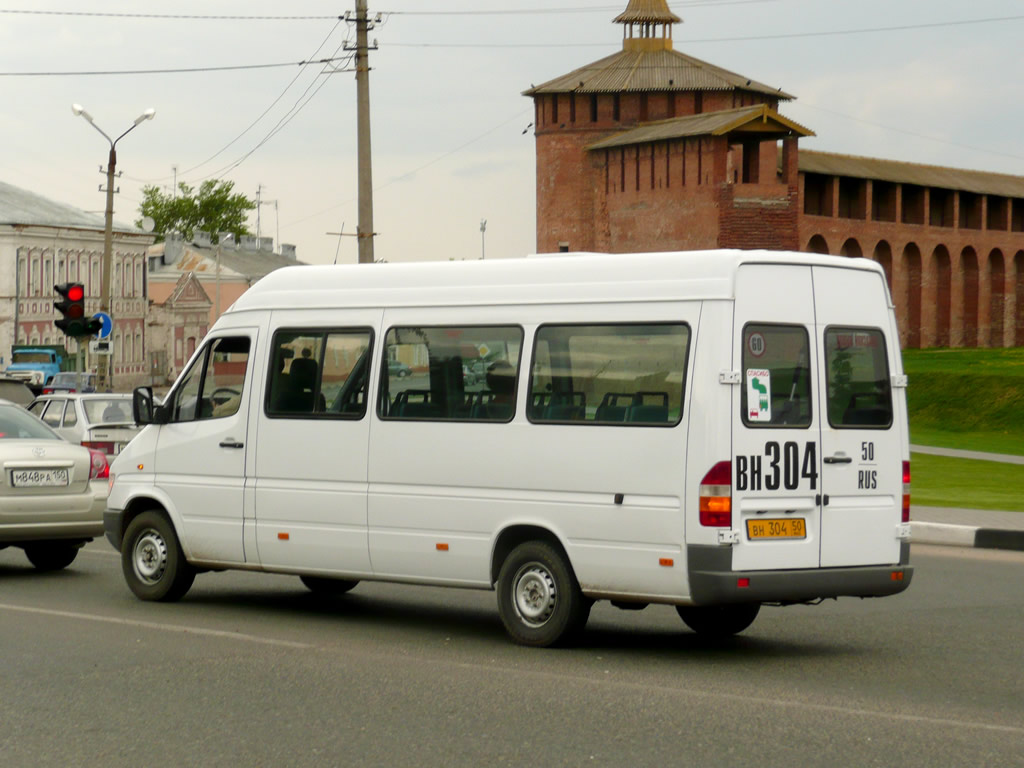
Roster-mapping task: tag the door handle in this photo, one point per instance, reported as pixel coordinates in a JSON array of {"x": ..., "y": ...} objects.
[
  {"x": 230, "y": 442},
  {"x": 837, "y": 459}
]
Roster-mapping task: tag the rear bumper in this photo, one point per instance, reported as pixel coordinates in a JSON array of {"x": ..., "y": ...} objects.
[
  {"x": 74, "y": 531},
  {"x": 713, "y": 582}
]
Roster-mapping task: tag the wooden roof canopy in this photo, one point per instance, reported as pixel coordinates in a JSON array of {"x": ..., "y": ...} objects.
[
  {"x": 648, "y": 62},
  {"x": 757, "y": 122}
]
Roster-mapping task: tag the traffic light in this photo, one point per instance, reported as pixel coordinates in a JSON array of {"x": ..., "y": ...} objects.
[{"x": 72, "y": 307}]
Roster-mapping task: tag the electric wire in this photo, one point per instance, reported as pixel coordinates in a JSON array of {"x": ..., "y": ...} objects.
[
  {"x": 257, "y": 120},
  {"x": 175, "y": 71},
  {"x": 803, "y": 103},
  {"x": 414, "y": 171},
  {"x": 287, "y": 118},
  {"x": 241, "y": 17}
]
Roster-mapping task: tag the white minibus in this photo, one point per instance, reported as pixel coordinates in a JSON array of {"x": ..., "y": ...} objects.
[{"x": 711, "y": 430}]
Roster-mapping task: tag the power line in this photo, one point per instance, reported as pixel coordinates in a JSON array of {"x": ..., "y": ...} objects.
[
  {"x": 905, "y": 132},
  {"x": 258, "y": 119},
  {"x": 239, "y": 17},
  {"x": 190, "y": 17},
  {"x": 287, "y": 118},
  {"x": 746, "y": 38},
  {"x": 552, "y": 11},
  {"x": 167, "y": 71},
  {"x": 434, "y": 161}
]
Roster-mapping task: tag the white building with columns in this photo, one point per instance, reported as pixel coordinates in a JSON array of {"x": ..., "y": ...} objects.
[{"x": 44, "y": 243}]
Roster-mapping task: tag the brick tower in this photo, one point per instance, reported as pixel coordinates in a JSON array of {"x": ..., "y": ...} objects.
[{"x": 651, "y": 149}]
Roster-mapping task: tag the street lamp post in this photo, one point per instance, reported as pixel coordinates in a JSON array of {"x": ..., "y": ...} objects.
[{"x": 105, "y": 369}]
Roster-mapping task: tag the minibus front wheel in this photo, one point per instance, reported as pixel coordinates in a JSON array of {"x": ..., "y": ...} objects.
[
  {"x": 152, "y": 561},
  {"x": 539, "y": 600}
]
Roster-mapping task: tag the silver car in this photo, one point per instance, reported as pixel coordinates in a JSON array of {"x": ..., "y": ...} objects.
[
  {"x": 53, "y": 493},
  {"x": 102, "y": 421}
]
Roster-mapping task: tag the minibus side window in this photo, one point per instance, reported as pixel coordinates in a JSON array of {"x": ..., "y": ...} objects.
[
  {"x": 776, "y": 386},
  {"x": 450, "y": 373},
  {"x": 212, "y": 387},
  {"x": 616, "y": 375},
  {"x": 857, "y": 372},
  {"x": 318, "y": 373}
]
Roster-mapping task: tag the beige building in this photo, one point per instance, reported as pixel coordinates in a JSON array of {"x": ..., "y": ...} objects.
[{"x": 192, "y": 283}]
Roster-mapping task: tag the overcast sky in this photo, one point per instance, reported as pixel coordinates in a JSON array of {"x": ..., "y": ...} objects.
[{"x": 914, "y": 80}]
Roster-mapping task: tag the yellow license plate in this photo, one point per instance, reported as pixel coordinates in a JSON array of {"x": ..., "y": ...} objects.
[{"x": 784, "y": 528}]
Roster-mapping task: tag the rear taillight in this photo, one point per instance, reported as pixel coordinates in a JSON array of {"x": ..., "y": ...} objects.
[
  {"x": 99, "y": 469},
  {"x": 906, "y": 491},
  {"x": 107, "y": 446},
  {"x": 716, "y": 496}
]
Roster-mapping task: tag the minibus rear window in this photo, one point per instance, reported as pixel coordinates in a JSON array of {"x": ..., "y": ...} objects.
[
  {"x": 613, "y": 375},
  {"x": 776, "y": 380},
  {"x": 857, "y": 371}
]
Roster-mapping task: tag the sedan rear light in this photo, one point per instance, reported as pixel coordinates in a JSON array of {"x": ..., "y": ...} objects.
[
  {"x": 99, "y": 469},
  {"x": 107, "y": 446},
  {"x": 716, "y": 496}
]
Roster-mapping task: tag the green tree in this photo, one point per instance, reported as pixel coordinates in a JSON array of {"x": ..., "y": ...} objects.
[{"x": 214, "y": 209}]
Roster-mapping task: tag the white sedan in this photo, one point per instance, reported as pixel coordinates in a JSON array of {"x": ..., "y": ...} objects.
[
  {"x": 53, "y": 492},
  {"x": 101, "y": 421}
]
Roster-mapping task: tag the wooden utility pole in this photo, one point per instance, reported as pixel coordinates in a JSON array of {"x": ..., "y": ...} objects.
[{"x": 362, "y": 61}]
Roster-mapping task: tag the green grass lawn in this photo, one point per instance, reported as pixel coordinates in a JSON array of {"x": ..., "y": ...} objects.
[
  {"x": 938, "y": 481},
  {"x": 971, "y": 399},
  {"x": 967, "y": 398}
]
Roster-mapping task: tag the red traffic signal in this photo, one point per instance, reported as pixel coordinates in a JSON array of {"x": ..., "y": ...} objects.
[{"x": 72, "y": 308}]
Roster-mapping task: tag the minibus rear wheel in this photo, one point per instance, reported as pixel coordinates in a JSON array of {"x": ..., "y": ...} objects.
[
  {"x": 152, "y": 561},
  {"x": 718, "y": 620},
  {"x": 322, "y": 586},
  {"x": 539, "y": 600}
]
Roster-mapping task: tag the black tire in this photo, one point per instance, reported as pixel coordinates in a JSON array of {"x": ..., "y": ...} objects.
[
  {"x": 539, "y": 600},
  {"x": 152, "y": 560},
  {"x": 717, "y": 621},
  {"x": 324, "y": 586},
  {"x": 52, "y": 555}
]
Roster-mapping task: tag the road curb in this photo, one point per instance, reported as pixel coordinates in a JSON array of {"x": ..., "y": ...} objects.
[{"x": 966, "y": 536}]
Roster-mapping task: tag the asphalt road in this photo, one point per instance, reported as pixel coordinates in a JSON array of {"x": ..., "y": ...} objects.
[{"x": 252, "y": 670}]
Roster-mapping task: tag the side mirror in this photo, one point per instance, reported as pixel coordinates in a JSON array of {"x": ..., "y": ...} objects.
[{"x": 143, "y": 409}]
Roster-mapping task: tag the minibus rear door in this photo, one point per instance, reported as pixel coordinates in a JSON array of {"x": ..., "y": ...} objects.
[
  {"x": 862, "y": 475},
  {"x": 775, "y": 421}
]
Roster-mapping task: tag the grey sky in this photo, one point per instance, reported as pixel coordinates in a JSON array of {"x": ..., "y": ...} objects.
[{"x": 448, "y": 117}]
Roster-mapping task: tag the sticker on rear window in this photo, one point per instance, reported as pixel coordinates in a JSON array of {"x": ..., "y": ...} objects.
[
  {"x": 759, "y": 394},
  {"x": 756, "y": 344}
]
